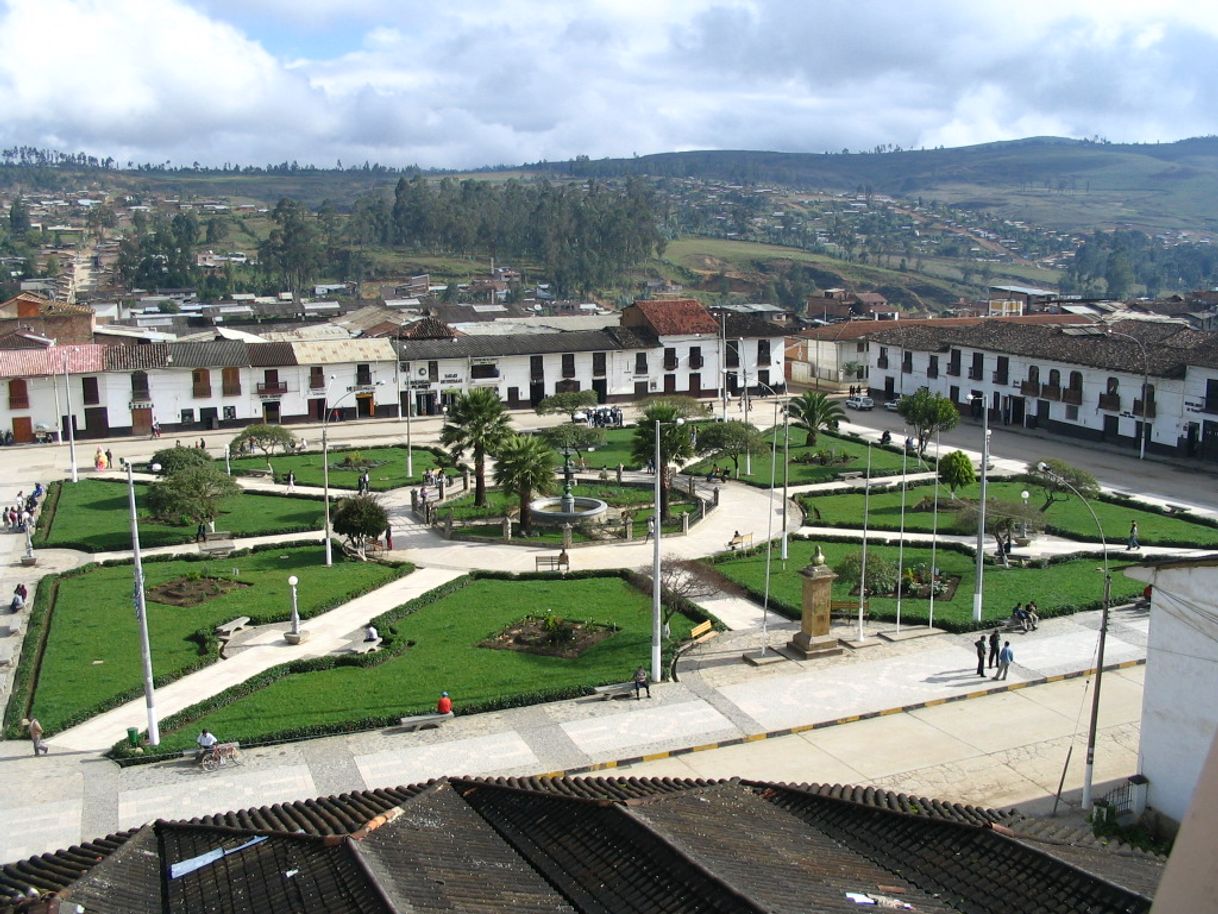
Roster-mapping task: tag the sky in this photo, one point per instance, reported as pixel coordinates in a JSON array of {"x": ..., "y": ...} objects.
[{"x": 464, "y": 83}]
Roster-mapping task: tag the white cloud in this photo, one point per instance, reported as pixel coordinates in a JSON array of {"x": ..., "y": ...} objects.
[{"x": 476, "y": 82}]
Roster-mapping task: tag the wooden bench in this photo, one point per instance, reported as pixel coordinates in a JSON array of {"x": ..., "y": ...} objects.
[
  {"x": 740, "y": 541},
  {"x": 1175, "y": 509},
  {"x": 216, "y": 548},
  {"x": 615, "y": 690},
  {"x": 560, "y": 562},
  {"x": 850, "y": 475},
  {"x": 256, "y": 474},
  {"x": 365, "y": 647},
  {"x": 849, "y": 608},
  {"x": 424, "y": 721},
  {"x": 230, "y": 628},
  {"x": 210, "y": 536}
]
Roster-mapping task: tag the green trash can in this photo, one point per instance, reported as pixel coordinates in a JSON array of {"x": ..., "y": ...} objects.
[{"x": 133, "y": 736}]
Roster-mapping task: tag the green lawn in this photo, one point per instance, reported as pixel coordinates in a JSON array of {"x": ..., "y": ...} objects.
[
  {"x": 92, "y": 654},
  {"x": 388, "y": 473},
  {"x": 1066, "y": 584},
  {"x": 93, "y": 515},
  {"x": 446, "y": 656},
  {"x": 883, "y": 463},
  {"x": 1069, "y": 518},
  {"x": 614, "y": 450}
]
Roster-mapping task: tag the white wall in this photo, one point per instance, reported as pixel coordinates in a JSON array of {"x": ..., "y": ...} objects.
[{"x": 1180, "y": 696}]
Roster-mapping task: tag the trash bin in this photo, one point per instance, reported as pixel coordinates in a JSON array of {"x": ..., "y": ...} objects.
[{"x": 133, "y": 736}]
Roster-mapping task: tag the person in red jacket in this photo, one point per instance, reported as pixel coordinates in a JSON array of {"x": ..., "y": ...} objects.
[{"x": 445, "y": 704}]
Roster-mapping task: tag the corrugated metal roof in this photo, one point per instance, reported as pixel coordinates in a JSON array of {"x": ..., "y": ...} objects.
[
  {"x": 216, "y": 354},
  {"x": 333, "y": 352},
  {"x": 521, "y": 344}
]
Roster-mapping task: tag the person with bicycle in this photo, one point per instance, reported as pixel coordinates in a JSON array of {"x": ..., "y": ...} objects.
[{"x": 205, "y": 741}]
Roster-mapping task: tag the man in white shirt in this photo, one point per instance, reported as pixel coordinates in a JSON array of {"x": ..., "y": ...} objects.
[{"x": 205, "y": 741}]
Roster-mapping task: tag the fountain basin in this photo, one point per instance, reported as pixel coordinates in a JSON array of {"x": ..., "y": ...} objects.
[{"x": 553, "y": 511}]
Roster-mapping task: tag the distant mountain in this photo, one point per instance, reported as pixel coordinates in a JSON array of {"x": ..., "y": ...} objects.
[{"x": 1050, "y": 180}]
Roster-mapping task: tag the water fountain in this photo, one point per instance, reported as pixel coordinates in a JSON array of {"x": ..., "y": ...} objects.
[{"x": 567, "y": 508}]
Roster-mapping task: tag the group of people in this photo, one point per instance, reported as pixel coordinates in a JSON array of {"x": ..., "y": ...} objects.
[
  {"x": 858, "y": 390},
  {"x": 20, "y": 514},
  {"x": 103, "y": 460},
  {"x": 20, "y": 595},
  {"x": 717, "y": 474},
  {"x": 1026, "y": 617},
  {"x": 605, "y": 417},
  {"x": 364, "y": 485},
  {"x": 1000, "y": 658}
]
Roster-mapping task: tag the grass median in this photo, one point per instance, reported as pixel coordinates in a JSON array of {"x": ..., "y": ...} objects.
[
  {"x": 831, "y": 456},
  {"x": 93, "y": 515},
  {"x": 440, "y": 648},
  {"x": 1058, "y": 588},
  {"x": 385, "y": 466},
  {"x": 91, "y": 657}
]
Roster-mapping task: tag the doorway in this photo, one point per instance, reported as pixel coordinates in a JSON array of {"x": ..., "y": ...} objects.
[
  {"x": 141, "y": 420},
  {"x": 365, "y": 406},
  {"x": 23, "y": 429},
  {"x": 270, "y": 412}
]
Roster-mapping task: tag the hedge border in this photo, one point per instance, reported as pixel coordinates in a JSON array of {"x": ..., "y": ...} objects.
[{"x": 391, "y": 648}]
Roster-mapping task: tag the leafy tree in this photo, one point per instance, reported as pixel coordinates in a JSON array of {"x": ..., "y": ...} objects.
[
  {"x": 928, "y": 413},
  {"x": 1055, "y": 477},
  {"x": 570, "y": 403},
  {"x": 18, "y": 218},
  {"x": 476, "y": 422},
  {"x": 676, "y": 441},
  {"x": 266, "y": 438},
  {"x": 524, "y": 464},
  {"x": 193, "y": 493},
  {"x": 881, "y": 572},
  {"x": 217, "y": 229},
  {"x": 359, "y": 518},
  {"x": 956, "y": 471},
  {"x": 1002, "y": 518},
  {"x": 292, "y": 252},
  {"x": 579, "y": 438},
  {"x": 730, "y": 440},
  {"x": 173, "y": 459},
  {"x": 815, "y": 412}
]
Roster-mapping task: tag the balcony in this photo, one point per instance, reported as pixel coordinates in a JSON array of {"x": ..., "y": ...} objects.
[
  {"x": 932, "y": 371},
  {"x": 363, "y": 380},
  {"x": 1000, "y": 377},
  {"x": 317, "y": 383},
  {"x": 1147, "y": 413},
  {"x": 1073, "y": 396},
  {"x": 974, "y": 373},
  {"x": 1110, "y": 402},
  {"x": 140, "y": 394},
  {"x": 953, "y": 369},
  {"x": 907, "y": 368},
  {"x": 1051, "y": 391},
  {"x": 1209, "y": 405},
  {"x": 19, "y": 402},
  {"x": 272, "y": 388},
  {"x": 881, "y": 362},
  {"x": 231, "y": 390},
  {"x": 200, "y": 391},
  {"x": 1029, "y": 388},
  {"x": 695, "y": 363}
]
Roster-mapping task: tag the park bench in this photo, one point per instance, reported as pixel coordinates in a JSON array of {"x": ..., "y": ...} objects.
[
  {"x": 615, "y": 690},
  {"x": 1175, "y": 509},
  {"x": 211, "y": 535},
  {"x": 256, "y": 474},
  {"x": 424, "y": 721},
  {"x": 560, "y": 562},
  {"x": 216, "y": 548},
  {"x": 230, "y": 628},
  {"x": 365, "y": 647},
  {"x": 849, "y": 475},
  {"x": 702, "y": 632},
  {"x": 848, "y": 608},
  {"x": 740, "y": 541}
]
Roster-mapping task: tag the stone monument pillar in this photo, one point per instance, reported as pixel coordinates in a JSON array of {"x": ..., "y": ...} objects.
[
  {"x": 464, "y": 479},
  {"x": 566, "y": 537},
  {"x": 813, "y": 638},
  {"x": 685, "y": 523},
  {"x": 507, "y": 529}
]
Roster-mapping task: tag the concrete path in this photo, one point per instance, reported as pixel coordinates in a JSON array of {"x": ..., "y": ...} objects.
[{"x": 737, "y": 613}]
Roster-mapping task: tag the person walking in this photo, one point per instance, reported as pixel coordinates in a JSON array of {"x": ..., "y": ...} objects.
[
  {"x": 291, "y": 481},
  {"x": 994, "y": 648},
  {"x": 1133, "y": 536},
  {"x": 641, "y": 682},
  {"x": 651, "y": 529},
  {"x": 35, "y": 728},
  {"x": 980, "y": 645},
  {"x": 389, "y": 538},
  {"x": 1005, "y": 658}
]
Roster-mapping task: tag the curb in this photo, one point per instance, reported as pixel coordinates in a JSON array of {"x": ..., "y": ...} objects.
[{"x": 821, "y": 725}]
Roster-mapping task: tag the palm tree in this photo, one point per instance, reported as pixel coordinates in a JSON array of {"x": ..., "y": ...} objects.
[
  {"x": 525, "y": 464},
  {"x": 676, "y": 443},
  {"x": 815, "y": 412},
  {"x": 476, "y": 422}
]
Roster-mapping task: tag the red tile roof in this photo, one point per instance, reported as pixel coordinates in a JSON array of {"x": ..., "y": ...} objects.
[
  {"x": 676, "y": 316},
  {"x": 33, "y": 363}
]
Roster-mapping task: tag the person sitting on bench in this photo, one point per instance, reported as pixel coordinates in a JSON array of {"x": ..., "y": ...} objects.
[
  {"x": 370, "y": 633},
  {"x": 641, "y": 682},
  {"x": 445, "y": 704},
  {"x": 18, "y": 603}
]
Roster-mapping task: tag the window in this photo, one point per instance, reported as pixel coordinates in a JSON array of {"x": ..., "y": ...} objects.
[
  {"x": 88, "y": 387},
  {"x": 733, "y": 354},
  {"x": 433, "y": 371},
  {"x": 568, "y": 364},
  {"x": 763, "y": 352},
  {"x": 670, "y": 359},
  {"x": 18, "y": 394},
  {"x": 860, "y": 347},
  {"x": 271, "y": 385},
  {"x": 907, "y": 362},
  {"x": 1002, "y": 370},
  {"x": 230, "y": 412},
  {"x": 1071, "y": 413},
  {"x": 188, "y": 417},
  {"x": 1034, "y": 374},
  {"x": 882, "y": 360},
  {"x": 537, "y": 368},
  {"x": 317, "y": 378},
  {"x": 695, "y": 358},
  {"x": 953, "y": 363},
  {"x": 230, "y": 382},
  {"x": 1113, "y": 386},
  {"x": 640, "y": 363},
  {"x": 953, "y": 394},
  {"x": 598, "y": 364},
  {"x": 932, "y": 367},
  {"x": 978, "y": 367},
  {"x": 484, "y": 370},
  {"x": 363, "y": 375},
  {"x": 1076, "y": 380},
  {"x": 139, "y": 385},
  {"x": 200, "y": 383},
  {"x": 1055, "y": 378}
]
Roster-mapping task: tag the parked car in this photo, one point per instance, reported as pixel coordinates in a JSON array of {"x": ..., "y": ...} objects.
[
  {"x": 892, "y": 405},
  {"x": 860, "y": 403}
]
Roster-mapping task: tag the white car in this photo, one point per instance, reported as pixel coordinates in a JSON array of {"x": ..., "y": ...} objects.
[
  {"x": 892, "y": 405},
  {"x": 860, "y": 403}
]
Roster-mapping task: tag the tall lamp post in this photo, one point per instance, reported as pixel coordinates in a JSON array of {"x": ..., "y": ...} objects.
[
  {"x": 985, "y": 462},
  {"x": 1089, "y": 768},
  {"x": 141, "y": 610},
  {"x": 294, "y": 635},
  {"x": 409, "y": 413},
  {"x": 67, "y": 389},
  {"x": 657, "y": 615},
  {"x": 785, "y": 403}
]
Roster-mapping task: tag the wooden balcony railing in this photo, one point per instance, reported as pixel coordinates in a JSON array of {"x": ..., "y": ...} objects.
[
  {"x": 200, "y": 391},
  {"x": 1110, "y": 402},
  {"x": 1073, "y": 396},
  {"x": 272, "y": 388},
  {"x": 231, "y": 390},
  {"x": 1148, "y": 413},
  {"x": 1029, "y": 388},
  {"x": 1051, "y": 391}
]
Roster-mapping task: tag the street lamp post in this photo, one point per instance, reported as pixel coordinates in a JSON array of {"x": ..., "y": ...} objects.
[
  {"x": 786, "y": 458},
  {"x": 141, "y": 610},
  {"x": 292, "y": 582},
  {"x": 1089, "y": 768},
  {"x": 985, "y": 462},
  {"x": 1025, "y": 495},
  {"x": 67, "y": 389},
  {"x": 409, "y": 413},
  {"x": 657, "y": 616}
]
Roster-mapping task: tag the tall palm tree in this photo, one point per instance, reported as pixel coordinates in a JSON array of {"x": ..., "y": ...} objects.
[
  {"x": 815, "y": 412},
  {"x": 676, "y": 442},
  {"x": 525, "y": 464},
  {"x": 476, "y": 422}
]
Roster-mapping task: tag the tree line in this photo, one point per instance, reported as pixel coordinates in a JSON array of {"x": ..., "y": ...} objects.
[{"x": 1112, "y": 263}]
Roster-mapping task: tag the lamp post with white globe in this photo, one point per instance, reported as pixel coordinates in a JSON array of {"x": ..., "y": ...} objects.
[{"x": 294, "y": 635}]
